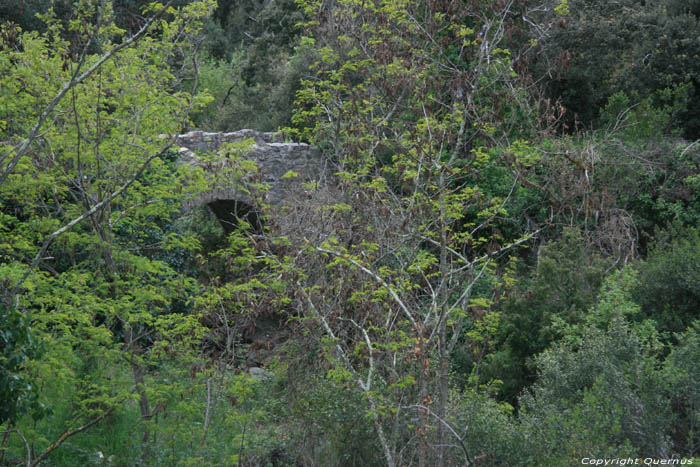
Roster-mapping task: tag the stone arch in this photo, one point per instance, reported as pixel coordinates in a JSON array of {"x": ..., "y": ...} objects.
[{"x": 274, "y": 159}]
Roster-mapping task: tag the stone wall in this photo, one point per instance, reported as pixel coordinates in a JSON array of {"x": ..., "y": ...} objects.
[{"x": 273, "y": 157}]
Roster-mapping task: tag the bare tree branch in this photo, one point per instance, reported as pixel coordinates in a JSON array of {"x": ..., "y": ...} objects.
[{"x": 376, "y": 277}]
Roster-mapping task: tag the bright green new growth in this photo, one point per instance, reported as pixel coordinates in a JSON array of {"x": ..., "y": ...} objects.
[{"x": 95, "y": 192}]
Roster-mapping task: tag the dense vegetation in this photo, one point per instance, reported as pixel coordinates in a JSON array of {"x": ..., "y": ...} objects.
[{"x": 503, "y": 268}]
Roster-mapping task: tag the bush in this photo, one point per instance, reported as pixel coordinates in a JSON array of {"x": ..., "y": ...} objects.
[
  {"x": 563, "y": 286},
  {"x": 639, "y": 46},
  {"x": 18, "y": 344},
  {"x": 600, "y": 397},
  {"x": 669, "y": 281},
  {"x": 264, "y": 105},
  {"x": 682, "y": 373}
]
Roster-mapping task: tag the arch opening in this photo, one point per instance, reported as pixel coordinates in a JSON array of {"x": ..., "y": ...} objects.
[{"x": 230, "y": 212}]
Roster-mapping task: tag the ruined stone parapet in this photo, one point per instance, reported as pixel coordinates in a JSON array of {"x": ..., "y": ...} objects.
[{"x": 206, "y": 141}]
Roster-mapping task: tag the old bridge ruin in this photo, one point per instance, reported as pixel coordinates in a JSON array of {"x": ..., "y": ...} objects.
[{"x": 274, "y": 159}]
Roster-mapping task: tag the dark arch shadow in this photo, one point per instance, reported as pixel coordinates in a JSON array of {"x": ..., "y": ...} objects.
[{"x": 230, "y": 212}]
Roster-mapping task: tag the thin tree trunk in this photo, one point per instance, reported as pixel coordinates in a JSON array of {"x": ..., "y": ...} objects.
[
  {"x": 145, "y": 411},
  {"x": 380, "y": 433},
  {"x": 4, "y": 442},
  {"x": 424, "y": 399},
  {"x": 444, "y": 380},
  {"x": 442, "y": 309},
  {"x": 207, "y": 413}
]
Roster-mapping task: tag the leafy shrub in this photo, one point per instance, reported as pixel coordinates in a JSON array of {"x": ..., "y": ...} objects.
[
  {"x": 563, "y": 286},
  {"x": 669, "y": 281},
  {"x": 599, "y": 397},
  {"x": 639, "y": 46},
  {"x": 682, "y": 373},
  {"x": 18, "y": 344},
  {"x": 264, "y": 105}
]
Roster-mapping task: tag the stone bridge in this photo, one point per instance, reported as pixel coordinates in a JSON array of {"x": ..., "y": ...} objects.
[{"x": 274, "y": 159}]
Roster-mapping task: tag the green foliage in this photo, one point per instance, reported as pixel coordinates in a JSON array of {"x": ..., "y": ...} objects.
[
  {"x": 23, "y": 13},
  {"x": 600, "y": 397},
  {"x": 330, "y": 426},
  {"x": 18, "y": 392},
  {"x": 640, "y": 119},
  {"x": 490, "y": 433},
  {"x": 413, "y": 340},
  {"x": 669, "y": 281},
  {"x": 110, "y": 295},
  {"x": 640, "y": 47},
  {"x": 681, "y": 374},
  {"x": 616, "y": 188},
  {"x": 266, "y": 30},
  {"x": 409, "y": 105},
  {"x": 248, "y": 422},
  {"x": 656, "y": 185},
  {"x": 254, "y": 67},
  {"x": 559, "y": 292},
  {"x": 263, "y": 104},
  {"x": 616, "y": 299}
]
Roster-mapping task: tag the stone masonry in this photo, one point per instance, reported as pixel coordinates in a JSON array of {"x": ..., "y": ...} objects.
[{"x": 273, "y": 157}]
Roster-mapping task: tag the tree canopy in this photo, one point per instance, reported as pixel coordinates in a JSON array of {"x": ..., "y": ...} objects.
[{"x": 497, "y": 264}]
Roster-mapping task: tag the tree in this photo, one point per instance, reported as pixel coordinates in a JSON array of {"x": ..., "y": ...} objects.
[
  {"x": 413, "y": 102},
  {"x": 639, "y": 46},
  {"x": 598, "y": 395},
  {"x": 668, "y": 283},
  {"x": 19, "y": 395},
  {"x": 87, "y": 190},
  {"x": 681, "y": 373},
  {"x": 560, "y": 290}
]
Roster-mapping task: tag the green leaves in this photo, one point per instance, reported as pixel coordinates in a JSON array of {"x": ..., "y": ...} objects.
[
  {"x": 19, "y": 392},
  {"x": 105, "y": 294},
  {"x": 640, "y": 48}
]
